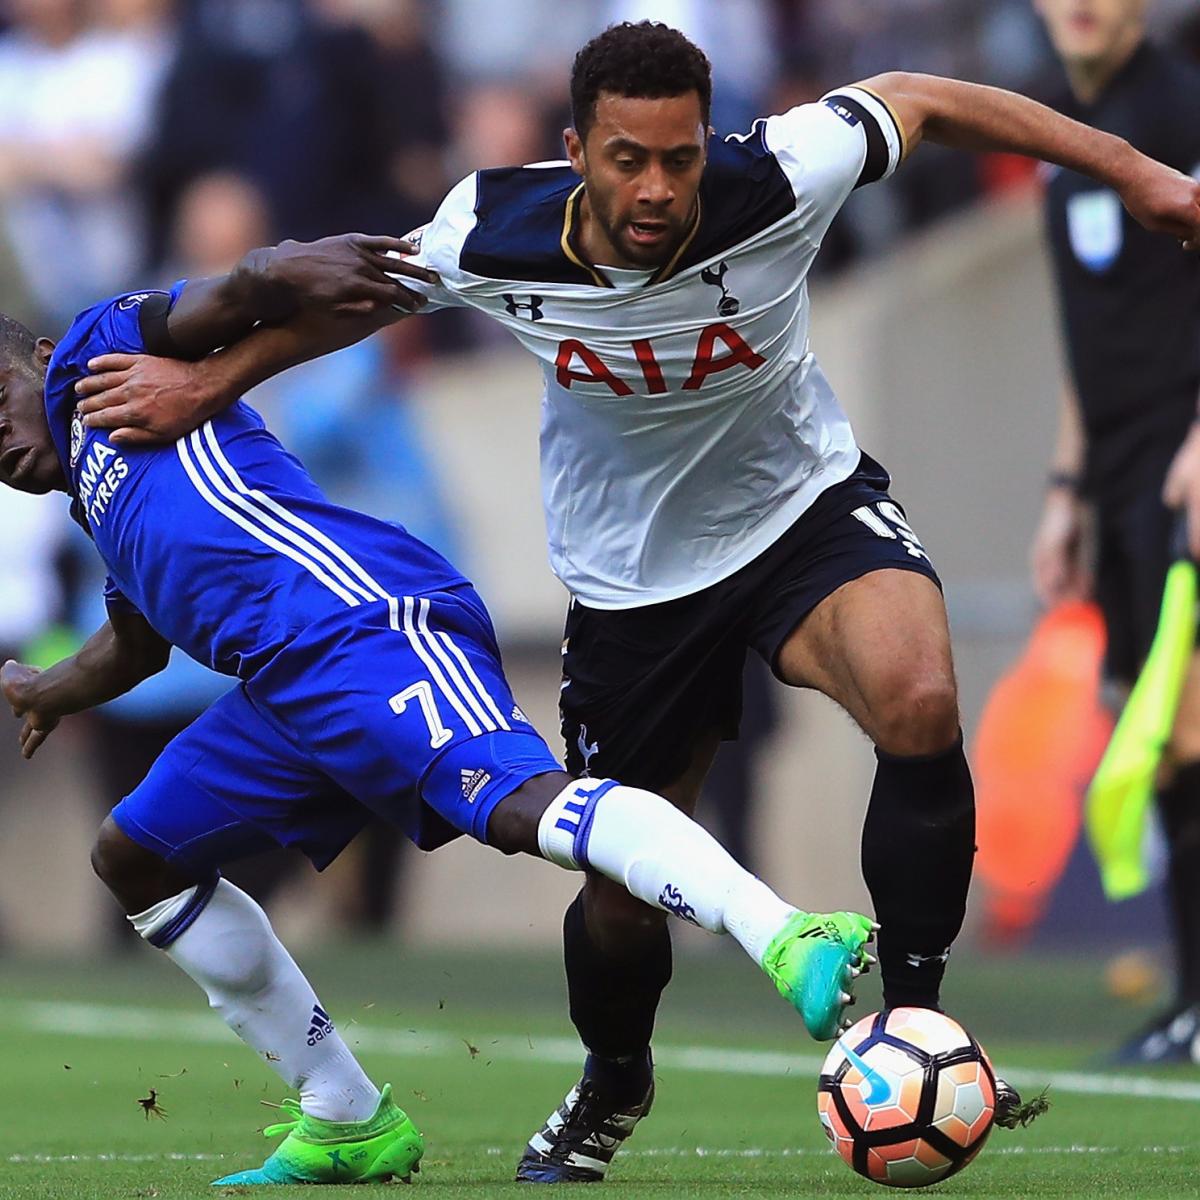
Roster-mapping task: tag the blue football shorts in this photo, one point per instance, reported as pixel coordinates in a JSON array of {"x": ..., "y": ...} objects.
[{"x": 398, "y": 709}]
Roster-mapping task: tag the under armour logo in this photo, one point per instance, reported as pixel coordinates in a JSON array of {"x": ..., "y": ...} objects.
[
  {"x": 715, "y": 277},
  {"x": 533, "y": 306},
  {"x": 587, "y": 751}
]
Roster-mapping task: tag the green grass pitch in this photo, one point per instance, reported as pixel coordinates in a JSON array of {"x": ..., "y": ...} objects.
[{"x": 479, "y": 1050}]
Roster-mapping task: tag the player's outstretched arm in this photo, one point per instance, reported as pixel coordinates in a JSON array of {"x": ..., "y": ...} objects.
[
  {"x": 973, "y": 117},
  {"x": 349, "y": 275},
  {"x": 281, "y": 306},
  {"x": 145, "y": 400},
  {"x": 1058, "y": 557},
  {"x": 116, "y": 658}
]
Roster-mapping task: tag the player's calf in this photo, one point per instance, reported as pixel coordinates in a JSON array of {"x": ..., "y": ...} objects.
[
  {"x": 918, "y": 850},
  {"x": 223, "y": 940},
  {"x": 664, "y": 859},
  {"x": 641, "y": 841}
]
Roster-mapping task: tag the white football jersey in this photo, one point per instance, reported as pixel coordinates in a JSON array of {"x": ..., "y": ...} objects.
[{"x": 686, "y": 424}]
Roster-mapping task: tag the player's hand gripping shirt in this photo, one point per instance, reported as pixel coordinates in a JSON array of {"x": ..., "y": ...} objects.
[{"x": 686, "y": 424}]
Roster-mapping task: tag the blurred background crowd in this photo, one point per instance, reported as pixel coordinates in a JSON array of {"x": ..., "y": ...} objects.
[
  {"x": 145, "y": 140},
  {"x": 155, "y": 137}
]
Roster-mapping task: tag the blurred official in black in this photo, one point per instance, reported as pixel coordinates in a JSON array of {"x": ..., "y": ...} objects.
[{"x": 1130, "y": 306}]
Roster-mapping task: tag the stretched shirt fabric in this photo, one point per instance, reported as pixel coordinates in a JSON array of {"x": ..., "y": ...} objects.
[{"x": 686, "y": 424}]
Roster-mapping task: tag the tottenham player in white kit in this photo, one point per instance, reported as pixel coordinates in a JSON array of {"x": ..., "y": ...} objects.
[{"x": 704, "y": 493}]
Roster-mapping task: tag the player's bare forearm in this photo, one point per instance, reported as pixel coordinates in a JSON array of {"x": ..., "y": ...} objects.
[
  {"x": 1070, "y": 445},
  {"x": 145, "y": 400},
  {"x": 347, "y": 275},
  {"x": 1058, "y": 556},
  {"x": 1181, "y": 490},
  {"x": 115, "y": 659},
  {"x": 270, "y": 350},
  {"x": 973, "y": 117}
]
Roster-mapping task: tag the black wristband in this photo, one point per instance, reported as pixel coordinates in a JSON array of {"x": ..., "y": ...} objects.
[
  {"x": 152, "y": 321},
  {"x": 1063, "y": 479}
]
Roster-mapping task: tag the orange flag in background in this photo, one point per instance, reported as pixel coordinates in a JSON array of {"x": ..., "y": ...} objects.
[{"x": 1040, "y": 738}]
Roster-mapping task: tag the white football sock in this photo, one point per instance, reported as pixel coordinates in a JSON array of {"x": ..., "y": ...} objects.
[
  {"x": 663, "y": 857},
  {"x": 224, "y": 941}
]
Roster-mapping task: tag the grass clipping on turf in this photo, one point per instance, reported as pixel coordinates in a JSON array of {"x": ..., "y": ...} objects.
[{"x": 1024, "y": 1114}]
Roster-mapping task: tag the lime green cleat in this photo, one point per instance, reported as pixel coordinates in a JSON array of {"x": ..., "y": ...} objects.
[
  {"x": 385, "y": 1147},
  {"x": 814, "y": 960}
]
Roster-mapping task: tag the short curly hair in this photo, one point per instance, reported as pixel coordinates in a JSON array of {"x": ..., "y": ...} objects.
[
  {"x": 17, "y": 344},
  {"x": 644, "y": 60}
]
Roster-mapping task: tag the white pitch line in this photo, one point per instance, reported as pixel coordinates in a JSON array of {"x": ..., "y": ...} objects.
[
  {"x": 148, "y": 1024},
  {"x": 22, "y": 1159},
  {"x": 825, "y": 1151},
  {"x": 629, "y": 1152}
]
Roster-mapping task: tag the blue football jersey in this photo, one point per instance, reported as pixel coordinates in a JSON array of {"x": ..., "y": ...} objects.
[{"x": 222, "y": 540}]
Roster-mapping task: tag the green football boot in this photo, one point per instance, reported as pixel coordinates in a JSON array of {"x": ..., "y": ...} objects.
[
  {"x": 385, "y": 1147},
  {"x": 814, "y": 960}
]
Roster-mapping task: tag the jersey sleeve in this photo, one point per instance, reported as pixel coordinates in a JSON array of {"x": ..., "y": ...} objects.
[
  {"x": 115, "y": 600},
  {"x": 848, "y": 138},
  {"x": 439, "y": 247}
]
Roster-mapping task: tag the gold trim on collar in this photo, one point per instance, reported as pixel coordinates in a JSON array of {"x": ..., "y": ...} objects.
[
  {"x": 668, "y": 270},
  {"x": 573, "y": 202},
  {"x": 895, "y": 117}
]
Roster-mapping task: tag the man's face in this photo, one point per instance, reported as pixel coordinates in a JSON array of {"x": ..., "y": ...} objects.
[
  {"x": 642, "y": 163},
  {"x": 28, "y": 461},
  {"x": 1089, "y": 31}
]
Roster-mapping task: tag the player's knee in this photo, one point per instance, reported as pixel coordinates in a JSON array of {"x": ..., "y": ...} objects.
[
  {"x": 918, "y": 716},
  {"x": 512, "y": 827},
  {"x": 136, "y": 876}
]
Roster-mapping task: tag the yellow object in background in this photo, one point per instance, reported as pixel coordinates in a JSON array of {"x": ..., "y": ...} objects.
[
  {"x": 1118, "y": 806},
  {"x": 57, "y": 643}
]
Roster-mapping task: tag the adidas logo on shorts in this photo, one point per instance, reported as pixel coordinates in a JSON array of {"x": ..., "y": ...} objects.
[
  {"x": 473, "y": 782},
  {"x": 321, "y": 1027}
]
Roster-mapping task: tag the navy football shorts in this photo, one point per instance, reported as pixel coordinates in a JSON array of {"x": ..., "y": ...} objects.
[
  {"x": 641, "y": 686},
  {"x": 398, "y": 709}
]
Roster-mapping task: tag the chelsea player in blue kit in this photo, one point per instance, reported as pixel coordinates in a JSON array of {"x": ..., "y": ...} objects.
[{"x": 371, "y": 684}]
